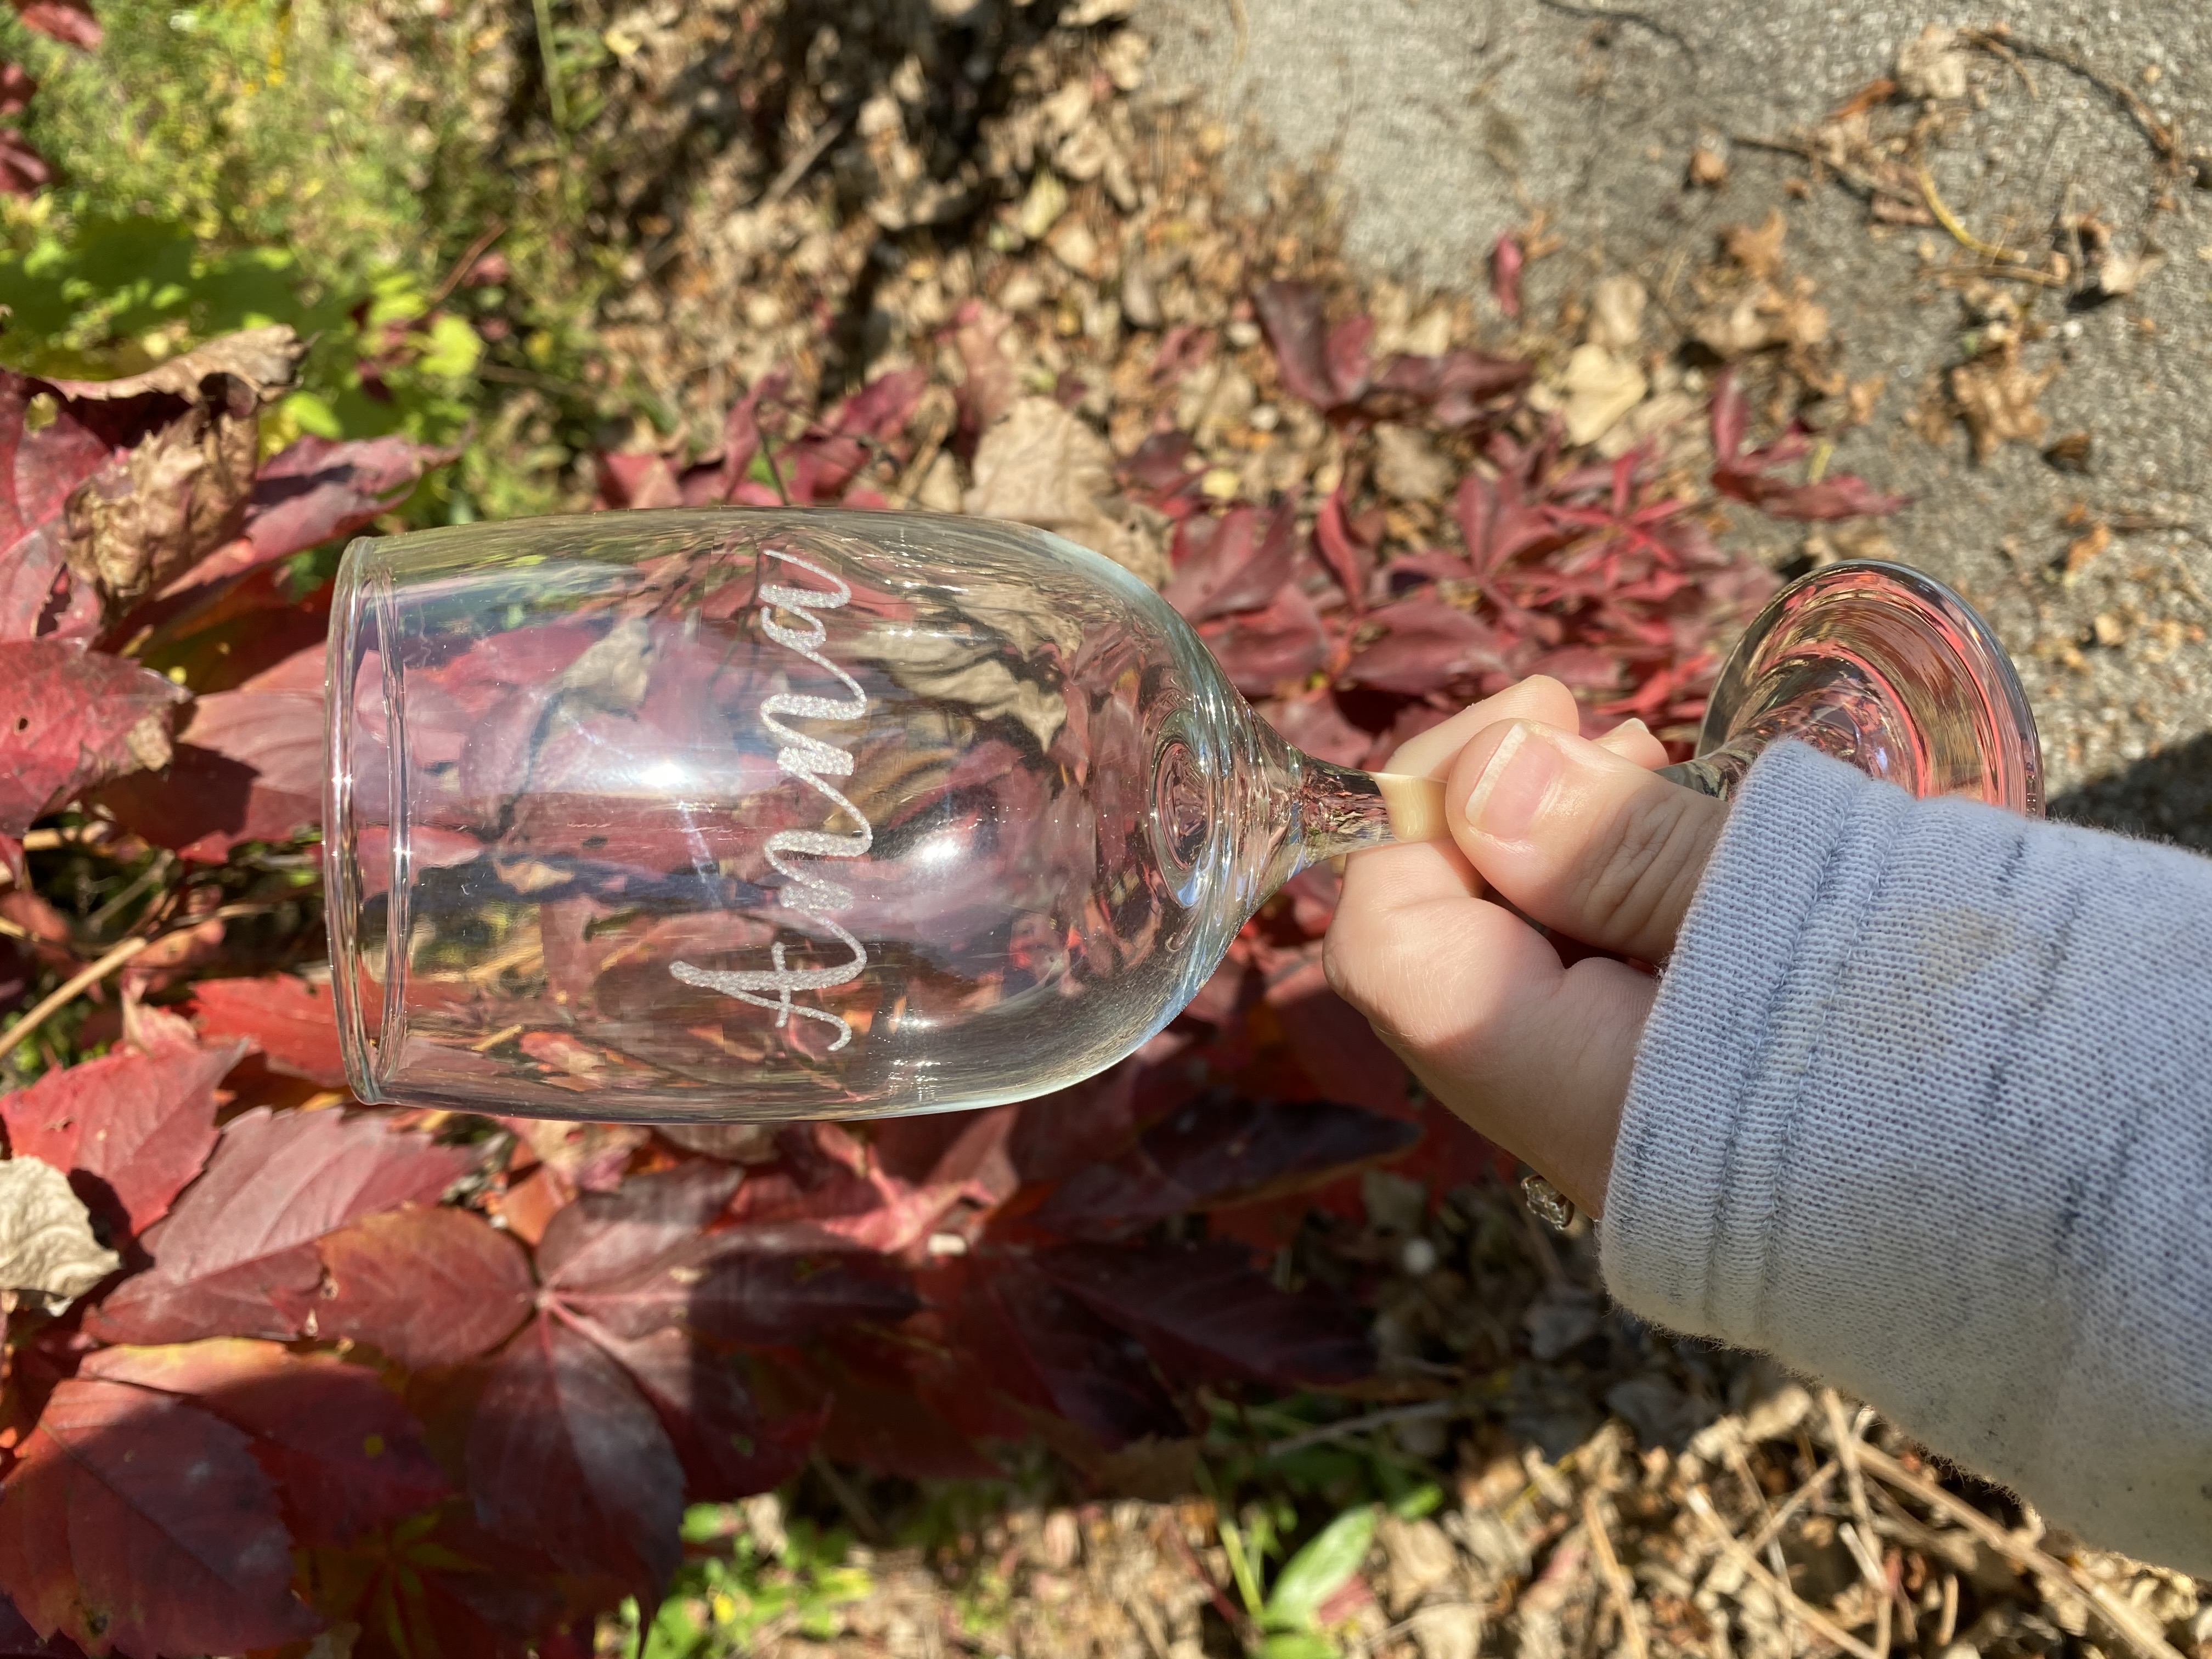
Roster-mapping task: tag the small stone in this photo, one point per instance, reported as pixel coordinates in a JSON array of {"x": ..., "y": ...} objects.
[{"x": 1407, "y": 465}]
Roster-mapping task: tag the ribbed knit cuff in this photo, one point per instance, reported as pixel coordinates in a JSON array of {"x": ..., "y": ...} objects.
[{"x": 1698, "y": 1171}]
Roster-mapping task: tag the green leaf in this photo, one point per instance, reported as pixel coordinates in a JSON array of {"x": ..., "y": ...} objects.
[
  {"x": 1320, "y": 1569},
  {"x": 1298, "y": 1644}
]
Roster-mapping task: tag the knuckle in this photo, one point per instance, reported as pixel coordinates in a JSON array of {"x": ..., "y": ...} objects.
[{"x": 1632, "y": 876}]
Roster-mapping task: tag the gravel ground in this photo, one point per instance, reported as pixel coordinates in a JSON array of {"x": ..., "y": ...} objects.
[{"x": 1448, "y": 125}]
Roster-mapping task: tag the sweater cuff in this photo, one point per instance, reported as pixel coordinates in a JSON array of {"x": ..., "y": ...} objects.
[{"x": 1700, "y": 1166}]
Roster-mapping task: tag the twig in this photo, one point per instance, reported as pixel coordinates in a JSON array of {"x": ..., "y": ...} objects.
[
  {"x": 796, "y": 168},
  {"x": 1847, "y": 1453},
  {"x": 1617, "y": 1587},
  {"x": 1701, "y": 1505},
  {"x": 1996, "y": 45},
  {"x": 1622, "y": 15},
  {"x": 67, "y": 990},
  {"x": 463, "y": 266},
  {"x": 850, "y": 1500},
  {"x": 1959, "y": 233},
  {"x": 2162, "y": 138},
  {"x": 2026, "y": 1558},
  {"x": 1421, "y": 1411}
]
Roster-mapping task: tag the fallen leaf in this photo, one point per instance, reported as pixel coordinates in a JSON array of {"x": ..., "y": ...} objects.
[
  {"x": 45, "y": 1234},
  {"x": 134, "y": 1521},
  {"x": 1236, "y": 566},
  {"x": 1408, "y": 466},
  {"x": 1933, "y": 64},
  {"x": 1425, "y": 644},
  {"x": 1757, "y": 252},
  {"x": 1601, "y": 387},
  {"x": 1506, "y": 260},
  {"x": 1708, "y": 168},
  {"x": 69, "y": 718},
  {"x": 1617, "y": 306},
  {"x": 1995, "y": 395},
  {"x": 1040, "y": 464}
]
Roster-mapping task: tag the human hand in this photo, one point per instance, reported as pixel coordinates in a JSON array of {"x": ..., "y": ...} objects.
[{"x": 1574, "y": 833}]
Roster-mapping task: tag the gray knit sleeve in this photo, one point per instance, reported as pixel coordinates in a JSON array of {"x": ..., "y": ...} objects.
[{"x": 1925, "y": 1108}]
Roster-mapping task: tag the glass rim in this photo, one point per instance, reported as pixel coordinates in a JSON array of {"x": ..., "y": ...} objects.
[{"x": 362, "y": 1052}]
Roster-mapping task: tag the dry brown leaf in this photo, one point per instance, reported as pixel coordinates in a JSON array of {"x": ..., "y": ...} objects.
[
  {"x": 1995, "y": 395},
  {"x": 265, "y": 358},
  {"x": 1709, "y": 168},
  {"x": 46, "y": 1243},
  {"x": 1040, "y": 464},
  {"x": 1408, "y": 466},
  {"x": 154, "y": 513},
  {"x": 1757, "y": 252},
  {"x": 1601, "y": 387},
  {"x": 2082, "y": 551},
  {"x": 1617, "y": 306},
  {"x": 1933, "y": 64}
]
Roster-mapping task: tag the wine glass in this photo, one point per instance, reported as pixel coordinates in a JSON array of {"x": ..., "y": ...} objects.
[{"x": 772, "y": 814}]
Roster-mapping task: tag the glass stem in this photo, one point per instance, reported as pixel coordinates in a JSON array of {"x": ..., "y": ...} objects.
[
  {"x": 1718, "y": 772},
  {"x": 1327, "y": 811}
]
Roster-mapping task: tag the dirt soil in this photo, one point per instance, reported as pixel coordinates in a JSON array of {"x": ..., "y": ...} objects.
[{"x": 1448, "y": 126}]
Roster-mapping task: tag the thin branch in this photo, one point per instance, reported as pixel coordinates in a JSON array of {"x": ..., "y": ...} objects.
[
  {"x": 1617, "y": 1587},
  {"x": 2118, "y": 1613},
  {"x": 66, "y": 992},
  {"x": 1701, "y": 1505},
  {"x": 1422, "y": 1411},
  {"x": 2162, "y": 138}
]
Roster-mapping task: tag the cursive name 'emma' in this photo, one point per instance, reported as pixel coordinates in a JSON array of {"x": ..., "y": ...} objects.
[{"x": 813, "y": 762}]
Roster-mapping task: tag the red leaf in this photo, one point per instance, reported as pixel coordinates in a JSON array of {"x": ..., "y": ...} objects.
[
  {"x": 1206, "y": 1310},
  {"x": 1506, "y": 259},
  {"x": 130, "y": 1129},
  {"x": 741, "y": 433},
  {"x": 1350, "y": 556},
  {"x": 565, "y": 1456},
  {"x": 638, "y": 481},
  {"x": 135, "y": 1521},
  {"x": 316, "y": 490},
  {"x": 728, "y": 1446},
  {"x": 637, "y": 1259},
  {"x": 1042, "y": 1346},
  {"x": 287, "y": 1019},
  {"x": 249, "y": 767},
  {"x": 1334, "y": 1045},
  {"x": 344, "y": 1453},
  {"x": 1844, "y": 496},
  {"x": 18, "y": 1641},
  {"x": 425, "y": 1285},
  {"x": 69, "y": 22},
  {"x": 1349, "y": 369},
  {"x": 237, "y": 1256},
  {"x": 606, "y": 1237},
  {"x": 1428, "y": 646},
  {"x": 723, "y": 1290},
  {"x": 1731, "y": 418},
  {"x": 16, "y": 90},
  {"x": 1497, "y": 525},
  {"x": 1292, "y": 314},
  {"x": 1260, "y": 650},
  {"x": 1220, "y": 1153},
  {"x": 1316, "y": 726},
  {"x": 988, "y": 385},
  {"x": 23, "y": 171},
  {"x": 66, "y": 717},
  {"x": 1229, "y": 572}
]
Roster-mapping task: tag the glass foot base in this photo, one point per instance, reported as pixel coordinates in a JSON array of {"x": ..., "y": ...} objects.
[{"x": 1885, "y": 668}]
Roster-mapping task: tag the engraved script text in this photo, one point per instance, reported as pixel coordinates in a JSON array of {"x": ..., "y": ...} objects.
[{"x": 813, "y": 762}]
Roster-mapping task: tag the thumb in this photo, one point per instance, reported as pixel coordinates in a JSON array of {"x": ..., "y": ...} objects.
[{"x": 1580, "y": 838}]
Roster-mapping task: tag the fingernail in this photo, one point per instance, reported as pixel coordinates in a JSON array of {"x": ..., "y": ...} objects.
[
  {"x": 1631, "y": 725},
  {"x": 1514, "y": 784}
]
